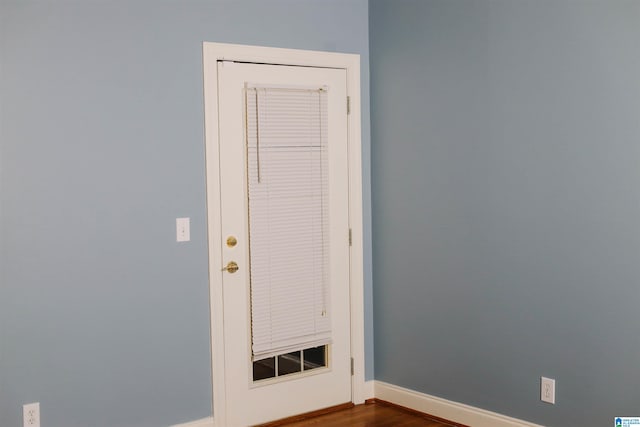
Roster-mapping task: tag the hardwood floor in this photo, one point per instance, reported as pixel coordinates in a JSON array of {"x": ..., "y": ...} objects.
[{"x": 374, "y": 413}]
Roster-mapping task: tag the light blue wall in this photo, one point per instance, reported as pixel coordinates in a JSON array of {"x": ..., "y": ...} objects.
[
  {"x": 104, "y": 318},
  {"x": 506, "y": 203}
]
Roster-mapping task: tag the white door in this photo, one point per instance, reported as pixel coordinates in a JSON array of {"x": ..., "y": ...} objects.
[{"x": 269, "y": 373}]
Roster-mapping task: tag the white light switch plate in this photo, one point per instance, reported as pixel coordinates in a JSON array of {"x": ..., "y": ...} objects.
[{"x": 182, "y": 230}]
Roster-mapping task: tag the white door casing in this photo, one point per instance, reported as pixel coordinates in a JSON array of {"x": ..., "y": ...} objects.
[{"x": 224, "y": 387}]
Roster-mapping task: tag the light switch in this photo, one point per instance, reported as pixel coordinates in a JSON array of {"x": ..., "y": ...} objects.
[{"x": 182, "y": 230}]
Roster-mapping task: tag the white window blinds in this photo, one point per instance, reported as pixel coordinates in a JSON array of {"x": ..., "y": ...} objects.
[{"x": 288, "y": 219}]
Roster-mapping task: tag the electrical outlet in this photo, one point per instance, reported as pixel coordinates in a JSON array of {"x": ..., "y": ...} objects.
[
  {"x": 31, "y": 415},
  {"x": 548, "y": 390}
]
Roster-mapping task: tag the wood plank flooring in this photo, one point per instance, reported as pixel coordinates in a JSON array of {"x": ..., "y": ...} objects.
[{"x": 374, "y": 413}]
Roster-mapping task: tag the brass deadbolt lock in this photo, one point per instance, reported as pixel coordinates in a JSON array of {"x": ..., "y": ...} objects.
[{"x": 231, "y": 241}]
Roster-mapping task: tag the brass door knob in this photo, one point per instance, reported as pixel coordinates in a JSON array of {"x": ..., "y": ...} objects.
[{"x": 231, "y": 267}]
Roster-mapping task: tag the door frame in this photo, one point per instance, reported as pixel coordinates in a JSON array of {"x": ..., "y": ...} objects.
[{"x": 212, "y": 53}]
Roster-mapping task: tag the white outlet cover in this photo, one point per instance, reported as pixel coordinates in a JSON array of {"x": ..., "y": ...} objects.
[
  {"x": 31, "y": 415},
  {"x": 548, "y": 390}
]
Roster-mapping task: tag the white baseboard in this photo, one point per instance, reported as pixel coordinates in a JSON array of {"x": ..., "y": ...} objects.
[
  {"x": 453, "y": 411},
  {"x": 447, "y": 409},
  {"x": 205, "y": 422},
  {"x": 369, "y": 389}
]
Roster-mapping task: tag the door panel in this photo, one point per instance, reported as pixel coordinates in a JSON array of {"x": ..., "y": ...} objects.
[{"x": 248, "y": 401}]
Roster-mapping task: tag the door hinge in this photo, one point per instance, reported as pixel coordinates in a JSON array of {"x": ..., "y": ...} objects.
[
  {"x": 350, "y": 238},
  {"x": 352, "y": 366},
  {"x": 348, "y": 105}
]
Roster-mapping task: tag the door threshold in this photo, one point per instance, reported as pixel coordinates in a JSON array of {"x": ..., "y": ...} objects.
[{"x": 307, "y": 415}]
